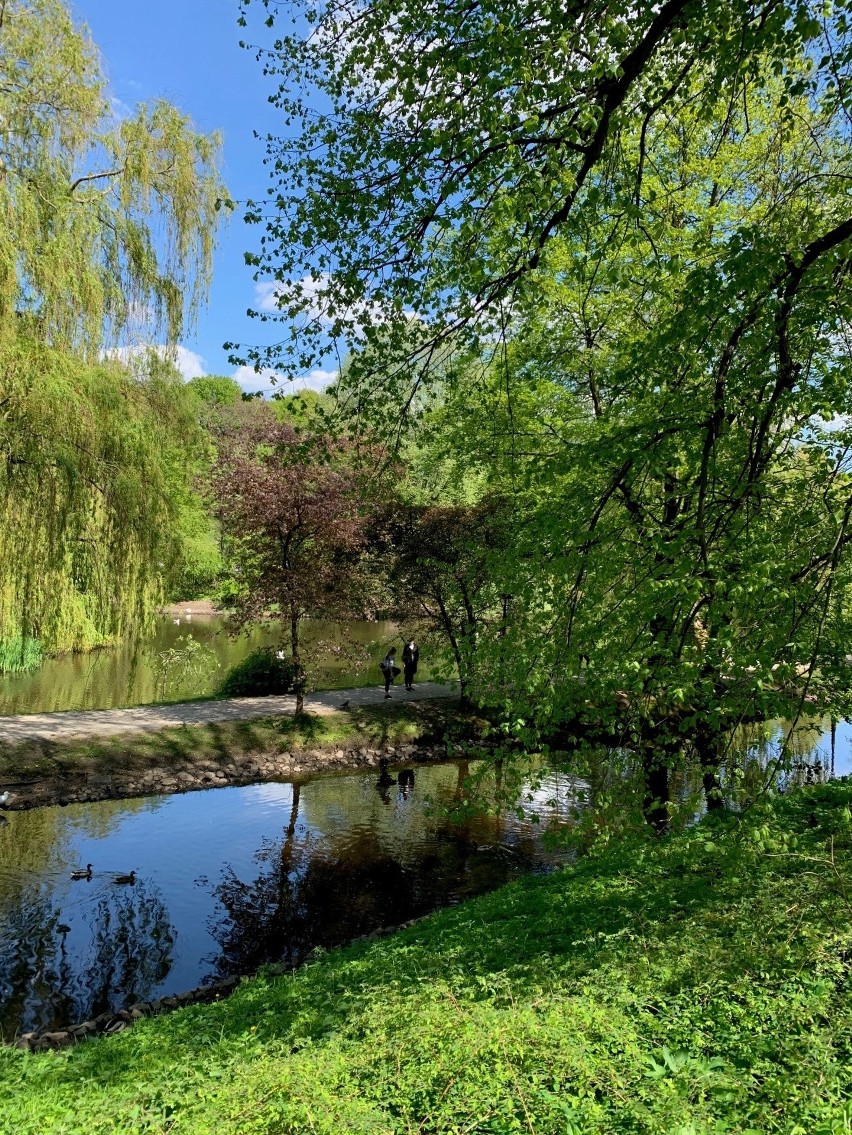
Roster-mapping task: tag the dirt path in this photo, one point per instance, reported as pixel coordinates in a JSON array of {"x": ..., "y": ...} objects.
[{"x": 105, "y": 722}]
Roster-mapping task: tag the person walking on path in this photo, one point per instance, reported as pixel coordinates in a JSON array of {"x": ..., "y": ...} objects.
[
  {"x": 410, "y": 658},
  {"x": 389, "y": 668}
]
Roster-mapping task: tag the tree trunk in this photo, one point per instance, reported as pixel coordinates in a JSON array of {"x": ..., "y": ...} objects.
[
  {"x": 282, "y": 918},
  {"x": 655, "y": 804},
  {"x": 658, "y": 754},
  {"x": 464, "y": 701},
  {"x": 709, "y": 747},
  {"x": 298, "y": 672},
  {"x": 289, "y": 839}
]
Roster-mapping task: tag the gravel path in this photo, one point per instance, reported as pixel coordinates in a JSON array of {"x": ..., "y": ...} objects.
[{"x": 106, "y": 722}]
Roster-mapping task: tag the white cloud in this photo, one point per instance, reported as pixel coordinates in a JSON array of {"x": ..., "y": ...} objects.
[
  {"x": 119, "y": 109},
  {"x": 189, "y": 363},
  {"x": 271, "y": 382},
  {"x": 192, "y": 365},
  {"x": 268, "y": 292}
]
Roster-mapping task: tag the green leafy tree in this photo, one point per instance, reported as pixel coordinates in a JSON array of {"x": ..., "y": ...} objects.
[
  {"x": 216, "y": 390},
  {"x": 92, "y": 503},
  {"x": 637, "y": 218},
  {"x": 441, "y": 571},
  {"x": 669, "y": 417},
  {"x": 105, "y": 220},
  {"x": 443, "y": 120}
]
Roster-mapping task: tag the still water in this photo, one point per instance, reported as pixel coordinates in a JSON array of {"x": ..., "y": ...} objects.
[
  {"x": 233, "y": 877},
  {"x": 337, "y": 655}
]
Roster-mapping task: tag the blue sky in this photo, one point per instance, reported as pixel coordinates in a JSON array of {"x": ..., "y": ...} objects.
[{"x": 188, "y": 52}]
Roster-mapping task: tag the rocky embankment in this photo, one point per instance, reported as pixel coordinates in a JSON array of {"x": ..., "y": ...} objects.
[{"x": 76, "y": 784}]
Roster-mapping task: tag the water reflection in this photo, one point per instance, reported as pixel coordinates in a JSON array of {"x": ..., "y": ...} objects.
[
  {"x": 390, "y": 860},
  {"x": 64, "y": 958},
  {"x": 229, "y": 878},
  {"x": 347, "y": 655},
  {"x": 786, "y": 754}
]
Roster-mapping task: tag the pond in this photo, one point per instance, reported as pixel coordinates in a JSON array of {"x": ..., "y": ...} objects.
[
  {"x": 229, "y": 878},
  {"x": 338, "y": 655},
  {"x": 814, "y": 750}
]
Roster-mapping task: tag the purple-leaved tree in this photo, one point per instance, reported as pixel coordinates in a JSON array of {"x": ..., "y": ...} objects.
[{"x": 292, "y": 510}]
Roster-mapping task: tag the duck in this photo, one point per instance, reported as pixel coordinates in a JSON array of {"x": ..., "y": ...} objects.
[
  {"x": 130, "y": 879},
  {"x": 5, "y": 797},
  {"x": 82, "y": 873}
]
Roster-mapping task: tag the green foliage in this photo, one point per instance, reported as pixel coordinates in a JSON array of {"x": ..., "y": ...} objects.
[
  {"x": 654, "y": 987},
  {"x": 19, "y": 654},
  {"x": 216, "y": 390},
  {"x": 183, "y": 664},
  {"x": 665, "y": 416},
  {"x": 200, "y": 563},
  {"x": 107, "y": 224},
  {"x": 444, "y": 124},
  {"x": 105, "y": 221},
  {"x": 602, "y": 258},
  {"x": 307, "y": 409},
  {"x": 90, "y": 501},
  {"x": 262, "y": 672}
]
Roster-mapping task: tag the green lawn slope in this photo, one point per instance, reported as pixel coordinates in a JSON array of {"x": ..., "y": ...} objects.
[{"x": 700, "y": 984}]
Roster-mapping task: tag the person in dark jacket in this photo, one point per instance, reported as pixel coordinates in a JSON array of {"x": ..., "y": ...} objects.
[
  {"x": 389, "y": 669},
  {"x": 410, "y": 658}
]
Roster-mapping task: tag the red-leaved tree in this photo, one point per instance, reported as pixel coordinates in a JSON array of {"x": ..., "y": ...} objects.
[{"x": 292, "y": 510}]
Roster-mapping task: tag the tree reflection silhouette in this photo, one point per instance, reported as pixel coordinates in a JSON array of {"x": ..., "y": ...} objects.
[
  {"x": 131, "y": 947},
  {"x": 314, "y": 892},
  {"x": 51, "y": 977}
]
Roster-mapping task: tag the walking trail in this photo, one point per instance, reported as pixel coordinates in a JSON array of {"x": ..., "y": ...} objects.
[{"x": 140, "y": 719}]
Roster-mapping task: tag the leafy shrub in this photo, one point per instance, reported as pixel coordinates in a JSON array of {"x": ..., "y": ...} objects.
[
  {"x": 262, "y": 672},
  {"x": 186, "y": 663},
  {"x": 19, "y": 654}
]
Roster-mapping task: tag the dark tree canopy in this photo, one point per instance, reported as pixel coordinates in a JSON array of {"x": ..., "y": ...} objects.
[{"x": 292, "y": 512}]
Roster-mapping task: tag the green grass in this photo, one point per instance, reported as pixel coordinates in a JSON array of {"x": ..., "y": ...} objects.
[
  {"x": 19, "y": 654},
  {"x": 230, "y": 741},
  {"x": 695, "y": 986}
]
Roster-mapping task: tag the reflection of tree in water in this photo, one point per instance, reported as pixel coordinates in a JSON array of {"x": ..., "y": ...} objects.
[
  {"x": 31, "y": 964},
  {"x": 131, "y": 947},
  {"x": 50, "y": 977},
  {"x": 309, "y": 895}
]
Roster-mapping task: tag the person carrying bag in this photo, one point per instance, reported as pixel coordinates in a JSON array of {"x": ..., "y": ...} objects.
[{"x": 389, "y": 669}]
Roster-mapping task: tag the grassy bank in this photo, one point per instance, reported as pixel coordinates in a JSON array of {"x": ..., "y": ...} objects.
[
  {"x": 362, "y": 726},
  {"x": 695, "y": 986}
]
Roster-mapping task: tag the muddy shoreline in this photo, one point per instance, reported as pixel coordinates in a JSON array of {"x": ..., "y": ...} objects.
[{"x": 83, "y": 783}]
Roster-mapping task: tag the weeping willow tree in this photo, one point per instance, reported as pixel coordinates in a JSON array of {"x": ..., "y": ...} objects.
[
  {"x": 94, "y": 485},
  {"x": 107, "y": 227}
]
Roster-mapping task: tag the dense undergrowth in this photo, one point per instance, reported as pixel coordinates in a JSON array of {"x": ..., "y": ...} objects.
[{"x": 697, "y": 985}]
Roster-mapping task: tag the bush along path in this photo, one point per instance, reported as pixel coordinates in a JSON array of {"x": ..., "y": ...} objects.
[{"x": 699, "y": 984}]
